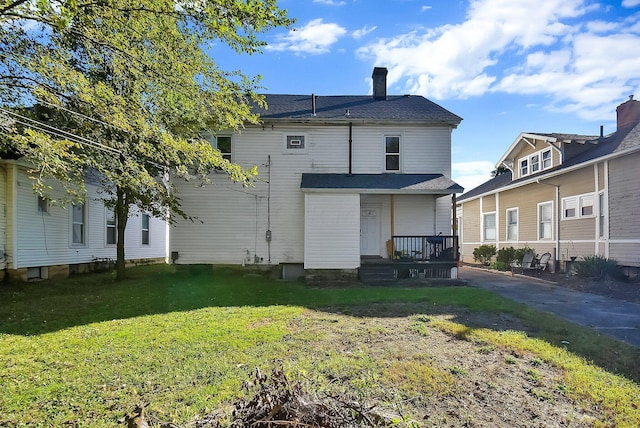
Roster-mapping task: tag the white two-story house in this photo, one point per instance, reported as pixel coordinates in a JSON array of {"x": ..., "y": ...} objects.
[{"x": 342, "y": 179}]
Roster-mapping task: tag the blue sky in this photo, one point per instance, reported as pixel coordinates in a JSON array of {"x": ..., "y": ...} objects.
[{"x": 505, "y": 66}]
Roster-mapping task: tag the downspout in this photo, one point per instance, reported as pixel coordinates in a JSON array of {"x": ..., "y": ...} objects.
[
  {"x": 558, "y": 213},
  {"x": 268, "y": 233},
  {"x": 350, "y": 147}
]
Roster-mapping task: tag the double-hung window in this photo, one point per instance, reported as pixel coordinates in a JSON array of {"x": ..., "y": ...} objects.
[
  {"x": 512, "y": 224},
  {"x": 545, "y": 220},
  {"x": 145, "y": 229},
  {"x": 546, "y": 159},
  {"x": 489, "y": 226},
  {"x": 392, "y": 152},
  {"x": 524, "y": 167},
  {"x": 535, "y": 163},
  {"x": 112, "y": 232},
  {"x": 78, "y": 223}
]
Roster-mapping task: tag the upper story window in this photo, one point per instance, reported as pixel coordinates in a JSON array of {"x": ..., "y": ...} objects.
[
  {"x": 538, "y": 161},
  {"x": 578, "y": 206},
  {"x": 223, "y": 144},
  {"x": 78, "y": 224},
  {"x": 392, "y": 152},
  {"x": 220, "y": 142},
  {"x": 43, "y": 205}
]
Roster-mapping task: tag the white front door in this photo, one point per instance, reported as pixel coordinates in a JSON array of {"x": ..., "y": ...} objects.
[{"x": 370, "y": 231}]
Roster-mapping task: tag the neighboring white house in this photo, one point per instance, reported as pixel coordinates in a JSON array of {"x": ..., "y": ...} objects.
[
  {"x": 339, "y": 176},
  {"x": 40, "y": 240}
]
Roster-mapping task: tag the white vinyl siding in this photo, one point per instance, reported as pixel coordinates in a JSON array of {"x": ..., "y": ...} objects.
[
  {"x": 332, "y": 231},
  {"x": 545, "y": 220},
  {"x": 46, "y": 240}
]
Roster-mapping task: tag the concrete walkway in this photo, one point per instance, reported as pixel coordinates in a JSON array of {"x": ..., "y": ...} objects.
[{"x": 613, "y": 317}]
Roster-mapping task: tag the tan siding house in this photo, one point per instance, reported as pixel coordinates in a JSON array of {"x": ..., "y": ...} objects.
[{"x": 567, "y": 194}]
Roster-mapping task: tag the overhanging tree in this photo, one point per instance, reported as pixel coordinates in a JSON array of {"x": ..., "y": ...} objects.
[{"x": 128, "y": 87}]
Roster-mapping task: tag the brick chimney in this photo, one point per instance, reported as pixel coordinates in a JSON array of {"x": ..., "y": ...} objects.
[
  {"x": 628, "y": 112},
  {"x": 379, "y": 77}
]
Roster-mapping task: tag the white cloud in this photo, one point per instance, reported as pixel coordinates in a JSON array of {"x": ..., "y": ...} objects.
[
  {"x": 471, "y": 174},
  {"x": 314, "y": 38},
  {"x": 331, "y": 2},
  {"x": 584, "y": 68},
  {"x": 358, "y": 34},
  {"x": 630, "y": 3},
  {"x": 425, "y": 8}
]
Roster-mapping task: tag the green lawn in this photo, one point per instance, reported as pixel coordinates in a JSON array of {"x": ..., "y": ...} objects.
[{"x": 83, "y": 351}]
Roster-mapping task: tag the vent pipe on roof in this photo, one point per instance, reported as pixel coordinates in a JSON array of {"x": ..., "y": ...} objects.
[
  {"x": 313, "y": 105},
  {"x": 379, "y": 77},
  {"x": 601, "y": 131}
]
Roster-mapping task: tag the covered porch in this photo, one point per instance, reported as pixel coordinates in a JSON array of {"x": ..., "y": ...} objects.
[{"x": 403, "y": 221}]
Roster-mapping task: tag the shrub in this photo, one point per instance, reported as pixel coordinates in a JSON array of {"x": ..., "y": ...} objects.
[
  {"x": 506, "y": 256},
  {"x": 484, "y": 254},
  {"x": 520, "y": 252},
  {"x": 501, "y": 266},
  {"x": 597, "y": 267}
]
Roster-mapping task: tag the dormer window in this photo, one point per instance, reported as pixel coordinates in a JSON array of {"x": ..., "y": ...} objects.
[
  {"x": 524, "y": 167},
  {"x": 535, "y": 162}
]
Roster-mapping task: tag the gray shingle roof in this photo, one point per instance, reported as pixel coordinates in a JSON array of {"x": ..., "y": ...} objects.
[
  {"x": 409, "y": 183},
  {"x": 625, "y": 138},
  {"x": 354, "y": 107}
]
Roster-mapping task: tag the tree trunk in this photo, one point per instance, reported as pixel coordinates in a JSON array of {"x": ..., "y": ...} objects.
[{"x": 122, "y": 215}]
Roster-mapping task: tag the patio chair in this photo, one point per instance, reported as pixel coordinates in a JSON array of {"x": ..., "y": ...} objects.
[
  {"x": 527, "y": 262},
  {"x": 541, "y": 265}
]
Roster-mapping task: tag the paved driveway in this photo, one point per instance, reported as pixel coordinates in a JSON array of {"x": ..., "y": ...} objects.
[{"x": 614, "y": 317}]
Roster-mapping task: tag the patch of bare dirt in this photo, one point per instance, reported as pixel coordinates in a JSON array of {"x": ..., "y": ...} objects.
[{"x": 415, "y": 375}]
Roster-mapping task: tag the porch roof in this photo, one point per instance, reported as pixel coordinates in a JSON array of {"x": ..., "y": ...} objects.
[{"x": 428, "y": 184}]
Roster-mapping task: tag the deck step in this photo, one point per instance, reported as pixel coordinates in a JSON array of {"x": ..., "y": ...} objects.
[{"x": 376, "y": 274}]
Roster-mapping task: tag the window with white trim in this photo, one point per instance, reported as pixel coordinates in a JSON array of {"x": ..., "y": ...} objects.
[
  {"x": 524, "y": 167},
  {"x": 78, "y": 224},
  {"x": 512, "y": 224},
  {"x": 220, "y": 142},
  {"x": 392, "y": 152},
  {"x": 489, "y": 226},
  {"x": 578, "y": 206},
  {"x": 110, "y": 225},
  {"x": 535, "y": 162},
  {"x": 545, "y": 220},
  {"x": 546, "y": 159},
  {"x": 145, "y": 229}
]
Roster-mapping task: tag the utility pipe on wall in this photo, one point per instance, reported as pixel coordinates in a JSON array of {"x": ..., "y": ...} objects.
[{"x": 350, "y": 147}]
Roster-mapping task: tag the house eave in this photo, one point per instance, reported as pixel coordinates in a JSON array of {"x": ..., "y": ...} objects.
[{"x": 355, "y": 121}]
